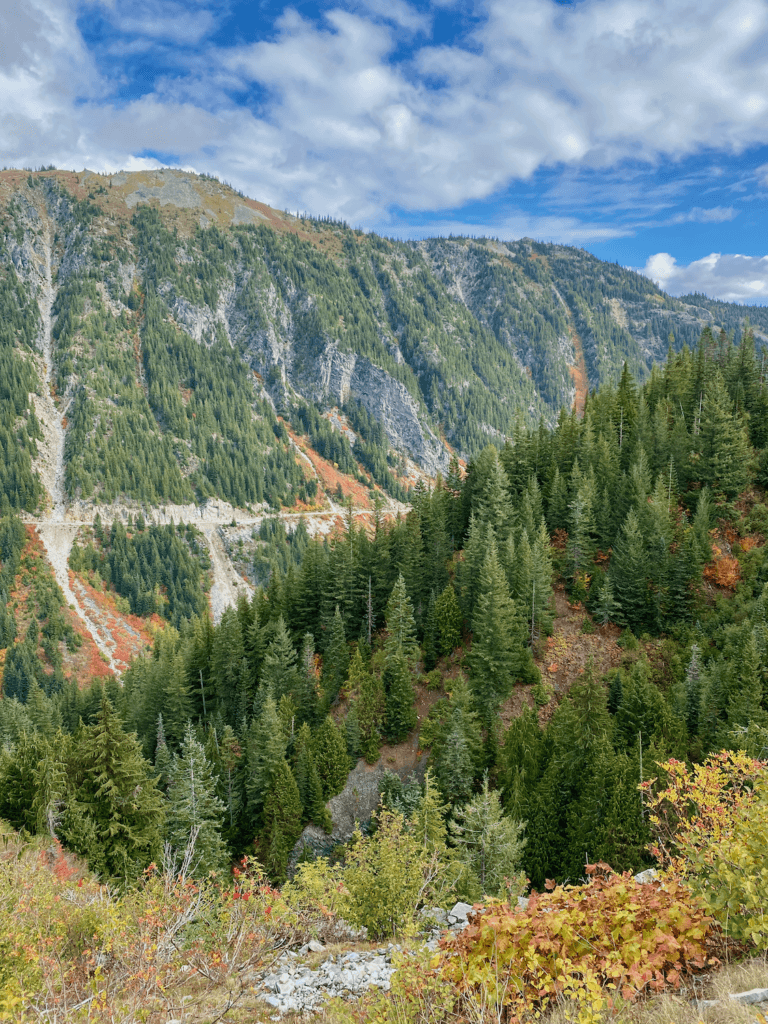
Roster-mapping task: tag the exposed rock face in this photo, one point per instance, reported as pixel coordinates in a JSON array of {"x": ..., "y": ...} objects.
[
  {"x": 356, "y": 803},
  {"x": 344, "y": 374}
]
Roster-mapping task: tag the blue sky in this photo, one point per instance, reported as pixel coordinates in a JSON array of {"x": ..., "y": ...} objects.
[{"x": 637, "y": 129}]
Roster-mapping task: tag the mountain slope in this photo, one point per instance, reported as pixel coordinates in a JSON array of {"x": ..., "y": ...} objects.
[{"x": 166, "y": 322}]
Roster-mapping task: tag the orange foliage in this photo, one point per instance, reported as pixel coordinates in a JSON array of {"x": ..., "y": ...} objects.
[
  {"x": 723, "y": 570},
  {"x": 559, "y": 540}
]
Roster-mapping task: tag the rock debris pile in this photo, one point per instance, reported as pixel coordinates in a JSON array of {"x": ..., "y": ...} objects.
[{"x": 293, "y": 986}]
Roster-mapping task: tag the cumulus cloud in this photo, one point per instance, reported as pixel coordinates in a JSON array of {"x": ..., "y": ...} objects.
[
  {"x": 731, "y": 278},
  {"x": 339, "y": 124}
]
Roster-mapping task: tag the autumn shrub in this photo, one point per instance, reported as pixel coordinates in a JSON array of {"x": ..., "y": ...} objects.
[
  {"x": 611, "y": 939},
  {"x": 68, "y": 941},
  {"x": 711, "y": 829}
]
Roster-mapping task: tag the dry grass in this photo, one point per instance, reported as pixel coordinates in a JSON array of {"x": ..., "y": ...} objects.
[{"x": 687, "y": 1007}]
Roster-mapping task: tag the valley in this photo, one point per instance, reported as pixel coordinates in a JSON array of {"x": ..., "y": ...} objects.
[{"x": 348, "y": 583}]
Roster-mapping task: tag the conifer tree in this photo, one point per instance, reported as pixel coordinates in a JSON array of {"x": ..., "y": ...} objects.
[
  {"x": 330, "y": 753},
  {"x": 401, "y": 626},
  {"x": 227, "y": 660},
  {"x": 497, "y": 654},
  {"x": 163, "y": 757},
  {"x": 489, "y": 843},
  {"x": 628, "y": 574},
  {"x": 454, "y": 768},
  {"x": 428, "y": 819},
  {"x": 400, "y": 713},
  {"x": 369, "y": 704},
  {"x": 723, "y": 443},
  {"x": 335, "y": 660},
  {"x": 448, "y": 621},
  {"x": 279, "y": 675},
  {"x": 352, "y": 732},
  {"x": 308, "y": 781},
  {"x": 114, "y": 814},
  {"x": 195, "y": 813},
  {"x": 264, "y": 750},
  {"x": 282, "y": 822}
]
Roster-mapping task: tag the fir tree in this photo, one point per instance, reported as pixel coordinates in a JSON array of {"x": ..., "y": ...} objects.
[
  {"x": 400, "y": 713},
  {"x": 115, "y": 814},
  {"x": 335, "y": 660},
  {"x": 330, "y": 753},
  {"x": 370, "y": 706},
  {"x": 195, "y": 813},
  {"x": 401, "y": 626},
  {"x": 497, "y": 654},
  {"x": 282, "y": 822},
  {"x": 448, "y": 621},
  {"x": 489, "y": 843}
]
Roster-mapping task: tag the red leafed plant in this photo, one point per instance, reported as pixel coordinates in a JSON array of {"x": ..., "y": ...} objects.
[{"x": 591, "y": 943}]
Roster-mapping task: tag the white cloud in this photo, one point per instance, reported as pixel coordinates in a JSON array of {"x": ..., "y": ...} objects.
[
  {"x": 563, "y": 230},
  {"x": 731, "y": 278},
  {"x": 337, "y": 127},
  {"x": 711, "y": 215}
]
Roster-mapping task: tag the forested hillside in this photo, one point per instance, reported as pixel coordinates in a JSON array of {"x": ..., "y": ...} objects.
[
  {"x": 170, "y": 329},
  {"x": 650, "y": 510}
]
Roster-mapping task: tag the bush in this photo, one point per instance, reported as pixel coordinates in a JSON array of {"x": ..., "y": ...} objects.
[
  {"x": 610, "y": 939},
  {"x": 628, "y": 640},
  {"x": 711, "y": 827},
  {"x": 384, "y": 876}
]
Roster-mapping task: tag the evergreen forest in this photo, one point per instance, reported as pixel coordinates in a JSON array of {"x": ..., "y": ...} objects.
[{"x": 648, "y": 513}]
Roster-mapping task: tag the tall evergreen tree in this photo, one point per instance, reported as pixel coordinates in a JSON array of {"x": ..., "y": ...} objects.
[
  {"x": 194, "y": 811},
  {"x": 497, "y": 656},
  {"x": 114, "y": 815}
]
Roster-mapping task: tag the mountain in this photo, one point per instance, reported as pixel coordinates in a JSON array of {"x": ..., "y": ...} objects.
[{"x": 179, "y": 336}]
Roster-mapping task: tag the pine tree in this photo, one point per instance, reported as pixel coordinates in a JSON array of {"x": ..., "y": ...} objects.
[
  {"x": 282, "y": 822},
  {"x": 352, "y": 732},
  {"x": 746, "y": 696},
  {"x": 308, "y": 781},
  {"x": 628, "y": 574},
  {"x": 264, "y": 750},
  {"x": 370, "y": 706},
  {"x": 195, "y": 813},
  {"x": 448, "y": 621},
  {"x": 279, "y": 674},
  {"x": 114, "y": 815},
  {"x": 401, "y": 626},
  {"x": 428, "y": 819},
  {"x": 489, "y": 843},
  {"x": 227, "y": 655},
  {"x": 335, "y": 660},
  {"x": 723, "y": 442},
  {"x": 454, "y": 768},
  {"x": 330, "y": 753},
  {"x": 497, "y": 653},
  {"x": 163, "y": 758},
  {"x": 400, "y": 713}
]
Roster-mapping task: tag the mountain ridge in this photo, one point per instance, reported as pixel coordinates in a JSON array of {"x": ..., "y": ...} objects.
[{"x": 172, "y": 329}]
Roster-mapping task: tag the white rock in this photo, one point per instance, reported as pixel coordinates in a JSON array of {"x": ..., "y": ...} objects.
[
  {"x": 755, "y": 995},
  {"x": 458, "y": 913},
  {"x": 649, "y": 875}
]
